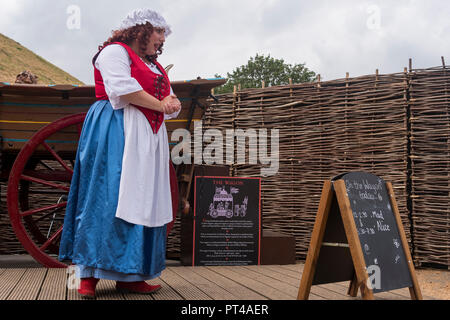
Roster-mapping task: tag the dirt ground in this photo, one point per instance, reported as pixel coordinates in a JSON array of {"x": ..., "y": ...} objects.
[{"x": 434, "y": 283}]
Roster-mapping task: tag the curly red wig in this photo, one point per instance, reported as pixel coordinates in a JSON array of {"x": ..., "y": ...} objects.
[{"x": 141, "y": 33}]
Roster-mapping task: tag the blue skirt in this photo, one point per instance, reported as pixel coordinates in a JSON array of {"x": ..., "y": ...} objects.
[{"x": 92, "y": 237}]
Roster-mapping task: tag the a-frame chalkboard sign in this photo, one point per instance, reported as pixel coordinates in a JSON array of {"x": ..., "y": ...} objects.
[{"x": 358, "y": 236}]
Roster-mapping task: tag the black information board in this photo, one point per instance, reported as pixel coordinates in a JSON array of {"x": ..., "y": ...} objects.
[
  {"x": 227, "y": 221},
  {"x": 377, "y": 231}
]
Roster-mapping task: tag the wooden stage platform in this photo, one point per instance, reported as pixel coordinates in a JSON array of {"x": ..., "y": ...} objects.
[{"x": 273, "y": 282}]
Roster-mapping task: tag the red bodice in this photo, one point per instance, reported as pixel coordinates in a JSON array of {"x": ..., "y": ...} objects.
[{"x": 152, "y": 83}]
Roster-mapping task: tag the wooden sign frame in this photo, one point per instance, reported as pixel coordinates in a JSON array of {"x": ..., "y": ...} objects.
[{"x": 337, "y": 189}]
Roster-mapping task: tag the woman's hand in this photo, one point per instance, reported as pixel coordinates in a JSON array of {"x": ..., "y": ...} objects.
[{"x": 170, "y": 104}]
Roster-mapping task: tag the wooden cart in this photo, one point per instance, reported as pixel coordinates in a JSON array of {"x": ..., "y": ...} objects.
[{"x": 39, "y": 131}]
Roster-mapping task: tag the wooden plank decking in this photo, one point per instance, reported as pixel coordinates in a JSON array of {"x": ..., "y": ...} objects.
[{"x": 275, "y": 282}]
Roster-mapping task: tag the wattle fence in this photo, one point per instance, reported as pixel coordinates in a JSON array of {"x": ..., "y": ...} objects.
[{"x": 396, "y": 126}]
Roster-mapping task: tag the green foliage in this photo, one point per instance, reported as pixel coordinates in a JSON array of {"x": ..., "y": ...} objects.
[{"x": 270, "y": 70}]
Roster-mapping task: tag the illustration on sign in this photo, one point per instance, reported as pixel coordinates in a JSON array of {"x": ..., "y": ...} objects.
[{"x": 222, "y": 205}]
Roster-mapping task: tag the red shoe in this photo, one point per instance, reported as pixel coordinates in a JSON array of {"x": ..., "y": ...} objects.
[
  {"x": 87, "y": 287},
  {"x": 137, "y": 287}
]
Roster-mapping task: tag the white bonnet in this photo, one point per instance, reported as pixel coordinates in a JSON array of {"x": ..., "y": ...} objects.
[{"x": 141, "y": 16}]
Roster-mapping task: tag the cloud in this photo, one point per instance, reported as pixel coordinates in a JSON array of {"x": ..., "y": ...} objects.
[
  {"x": 209, "y": 37},
  {"x": 9, "y": 10}
]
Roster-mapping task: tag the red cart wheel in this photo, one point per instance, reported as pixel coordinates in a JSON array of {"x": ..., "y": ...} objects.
[{"x": 38, "y": 186}]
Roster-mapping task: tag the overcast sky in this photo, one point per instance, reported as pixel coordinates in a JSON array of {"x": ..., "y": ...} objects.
[{"x": 216, "y": 36}]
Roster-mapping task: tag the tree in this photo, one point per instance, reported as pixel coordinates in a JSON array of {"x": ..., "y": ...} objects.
[{"x": 261, "y": 68}]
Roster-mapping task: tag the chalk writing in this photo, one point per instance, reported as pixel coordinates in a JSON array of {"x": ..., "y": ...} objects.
[
  {"x": 382, "y": 227},
  {"x": 377, "y": 228},
  {"x": 373, "y": 221}
]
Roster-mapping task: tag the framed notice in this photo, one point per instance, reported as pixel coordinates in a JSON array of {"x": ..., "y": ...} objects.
[{"x": 227, "y": 221}]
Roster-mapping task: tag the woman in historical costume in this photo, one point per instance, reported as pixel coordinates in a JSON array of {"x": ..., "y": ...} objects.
[{"x": 120, "y": 198}]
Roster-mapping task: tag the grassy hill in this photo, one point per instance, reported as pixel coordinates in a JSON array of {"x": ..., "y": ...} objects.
[{"x": 14, "y": 58}]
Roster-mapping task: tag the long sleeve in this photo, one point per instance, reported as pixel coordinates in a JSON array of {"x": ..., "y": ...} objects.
[{"x": 114, "y": 65}]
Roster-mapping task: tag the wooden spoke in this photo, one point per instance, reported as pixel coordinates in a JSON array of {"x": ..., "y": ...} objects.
[
  {"x": 54, "y": 237},
  {"x": 43, "y": 209},
  {"x": 57, "y": 157},
  {"x": 46, "y": 215},
  {"x": 46, "y": 183}
]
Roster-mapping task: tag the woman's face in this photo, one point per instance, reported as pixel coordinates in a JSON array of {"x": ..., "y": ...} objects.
[{"x": 155, "y": 42}]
